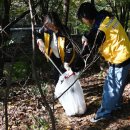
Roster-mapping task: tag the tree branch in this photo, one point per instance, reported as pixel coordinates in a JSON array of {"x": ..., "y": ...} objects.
[{"x": 18, "y": 19}]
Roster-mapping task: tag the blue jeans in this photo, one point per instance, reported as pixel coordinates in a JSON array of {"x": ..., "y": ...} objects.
[{"x": 113, "y": 90}]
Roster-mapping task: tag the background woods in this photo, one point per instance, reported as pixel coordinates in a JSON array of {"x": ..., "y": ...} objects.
[{"x": 20, "y": 60}]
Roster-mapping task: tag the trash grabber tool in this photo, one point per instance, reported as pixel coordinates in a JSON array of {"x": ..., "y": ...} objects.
[{"x": 52, "y": 63}]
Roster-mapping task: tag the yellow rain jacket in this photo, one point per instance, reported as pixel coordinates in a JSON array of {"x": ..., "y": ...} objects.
[
  {"x": 61, "y": 47},
  {"x": 116, "y": 47}
]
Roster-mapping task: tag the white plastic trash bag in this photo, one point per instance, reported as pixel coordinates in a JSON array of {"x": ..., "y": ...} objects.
[{"x": 73, "y": 99}]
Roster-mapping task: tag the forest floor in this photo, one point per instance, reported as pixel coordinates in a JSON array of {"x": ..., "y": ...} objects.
[{"x": 26, "y": 113}]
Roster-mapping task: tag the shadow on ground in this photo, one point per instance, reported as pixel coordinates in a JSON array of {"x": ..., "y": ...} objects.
[{"x": 93, "y": 96}]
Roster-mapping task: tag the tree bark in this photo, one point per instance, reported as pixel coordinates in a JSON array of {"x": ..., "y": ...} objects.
[
  {"x": 93, "y": 2},
  {"x": 66, "y": 11},
  {"x": 44, "y": 101},
  {"x": 4, "y": 20}
]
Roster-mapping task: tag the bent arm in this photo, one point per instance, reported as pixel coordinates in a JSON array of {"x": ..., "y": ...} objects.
[
  {"x": 68, "y": 55},
  {"x": 94, "y": 37}
]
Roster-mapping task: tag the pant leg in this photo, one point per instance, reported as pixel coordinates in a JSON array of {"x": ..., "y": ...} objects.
[
  {"x": 55, "y": 72},
  {"x": 113, "y": 89},
  {"x": 124, "y": 83},
  {"x": 78, "y": 63}
]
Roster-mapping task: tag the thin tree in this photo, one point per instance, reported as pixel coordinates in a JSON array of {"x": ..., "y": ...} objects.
[
  {"x": 66, "y": 10},
  {"x": 43, "y": 101},
  {"x": 93, "y": 2},
  {"x": 4, "y": 20}
]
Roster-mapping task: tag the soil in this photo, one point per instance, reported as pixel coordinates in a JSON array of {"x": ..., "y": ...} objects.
[
  {"x": 92, "y": 87},
  {"x": 25, "y": 111}
]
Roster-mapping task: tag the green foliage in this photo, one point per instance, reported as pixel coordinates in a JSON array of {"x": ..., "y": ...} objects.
[
  {"x": 100, "y": 4},
  {"x": 44, "y": 86},
  {"x": 73, "y": 21},
  {"x": 1, "y": 4},
  {"x": 17, "y": 7},
  {"x": 2, "y": 93},
  {"x": 74, "y": 5},
  {"x": 39, "y": 124},
  {"x": 20, "y": 70}
]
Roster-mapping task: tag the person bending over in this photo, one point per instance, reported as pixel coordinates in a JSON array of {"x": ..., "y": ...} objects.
[
  {"x": 53, "y": 40},
  {"x": 113, "y": 44}
]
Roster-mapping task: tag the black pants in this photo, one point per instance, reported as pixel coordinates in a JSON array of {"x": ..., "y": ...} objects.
[
  {"x": 55, "y": 72},
  {"x": 78, "y": 63},
  {"x": 76, "y": 66}
]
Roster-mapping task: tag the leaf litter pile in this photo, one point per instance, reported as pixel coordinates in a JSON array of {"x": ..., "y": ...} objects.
[{"x": 25, "y": 112}]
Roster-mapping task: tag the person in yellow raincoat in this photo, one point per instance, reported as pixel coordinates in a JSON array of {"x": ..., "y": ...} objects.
[
  {"x": 53, "y": 39},
  {"x": 113, "y": 44}
]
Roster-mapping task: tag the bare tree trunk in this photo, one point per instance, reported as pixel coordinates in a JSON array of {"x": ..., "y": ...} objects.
[
  {"x": 4, "y": 20},
  {"x": 18, "y": 18},
  {"x": 66, "y": 11},
  {"x": 127, "y": 18},
  {"x": 1, "y": 57},
  {"x": 1, "y": 38},
  {"x": 6, "y": 109},
  {"x": 93, "y": 2},
  {"x": 44, "y": 101}
]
